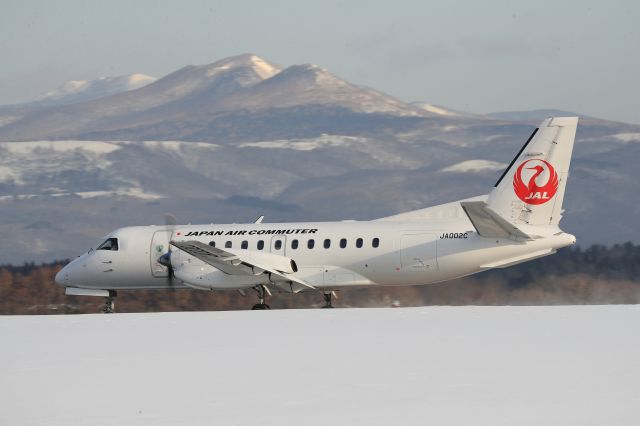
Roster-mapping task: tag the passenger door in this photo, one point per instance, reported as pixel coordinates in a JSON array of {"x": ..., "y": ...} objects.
[{"x": 159, "y": 246}]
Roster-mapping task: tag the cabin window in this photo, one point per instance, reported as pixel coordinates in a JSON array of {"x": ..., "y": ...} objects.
[
  {"x": 327, "y": 243},
  {"x": 343, "y": 243},
  {"x": 375, "y": 243},
  {"x": 244, "y": 245},
  {"x": 109, "y": 244},
  {"x": 278, "y": 245},
  {"x": 311, "y": 243},
  {"x": 260, "y": 245},
  {"x": 212, "y": 243},
  {"x": 228, "y": 244},
  {"x": 294, "y": 244},
  {"x": 359, "y": 242}
]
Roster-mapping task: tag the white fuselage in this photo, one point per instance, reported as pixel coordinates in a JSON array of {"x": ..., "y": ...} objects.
[
  {"x": 329, "y": 255},
  {"x": 517, "y": 221}
]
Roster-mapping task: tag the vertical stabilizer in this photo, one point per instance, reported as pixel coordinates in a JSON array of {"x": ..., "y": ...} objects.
[{"x": 531, "y": 189}]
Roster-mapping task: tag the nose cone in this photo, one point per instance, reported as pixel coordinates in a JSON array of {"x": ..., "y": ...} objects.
[{"x": 62, "y": 277}]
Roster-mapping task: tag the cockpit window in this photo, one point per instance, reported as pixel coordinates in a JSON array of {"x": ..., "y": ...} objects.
[{"x": 109, "y": 244}]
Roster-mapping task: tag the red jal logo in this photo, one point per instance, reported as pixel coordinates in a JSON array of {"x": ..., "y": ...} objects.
[{"x": 531, "y": 192}]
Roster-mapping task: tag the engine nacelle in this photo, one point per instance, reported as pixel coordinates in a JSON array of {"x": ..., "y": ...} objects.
[
  {"x": 196, "y": 273},
  {"x": 205, "y": 277}
]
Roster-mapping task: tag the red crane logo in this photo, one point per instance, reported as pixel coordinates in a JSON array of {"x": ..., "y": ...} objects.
[{"x": 531, "y": 192}]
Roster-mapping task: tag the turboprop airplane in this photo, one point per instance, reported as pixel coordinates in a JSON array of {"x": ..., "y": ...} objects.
[{"x": 516, "y": 222}]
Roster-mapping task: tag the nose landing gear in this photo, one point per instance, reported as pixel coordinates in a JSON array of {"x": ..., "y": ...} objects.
[{"x": 109, "y": 302}]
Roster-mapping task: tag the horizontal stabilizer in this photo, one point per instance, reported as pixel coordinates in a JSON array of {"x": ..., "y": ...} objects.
[
  {"x": 489, "y": 223},
  {"x": 503, "y": 263}
]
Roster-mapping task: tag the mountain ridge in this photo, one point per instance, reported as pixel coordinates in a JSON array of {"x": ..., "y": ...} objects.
[
  {"x": 240, "y": 83},
  {"x": 243, "y": 137}
]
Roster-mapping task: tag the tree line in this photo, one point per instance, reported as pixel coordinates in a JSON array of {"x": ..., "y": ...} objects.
[{"x": 595, "y": 275}]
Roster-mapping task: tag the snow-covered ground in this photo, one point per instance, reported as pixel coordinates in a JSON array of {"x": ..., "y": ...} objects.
[{"x": 418, "y": 366}]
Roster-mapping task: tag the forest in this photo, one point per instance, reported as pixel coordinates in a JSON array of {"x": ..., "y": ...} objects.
[{"x": 595, "y": 275}]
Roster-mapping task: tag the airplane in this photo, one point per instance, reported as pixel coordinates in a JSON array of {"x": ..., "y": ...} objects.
[{"x": 516, "y": 222}]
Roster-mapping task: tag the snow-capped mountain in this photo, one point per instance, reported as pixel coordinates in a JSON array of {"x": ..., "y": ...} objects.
[
  {"x": 190, "y": 102},
  {"x": 84, "y": 90},
  {"x": 171, "y": 96},
  {"x": 240, "y": 137},
  {"x": 303, "y": 85}
]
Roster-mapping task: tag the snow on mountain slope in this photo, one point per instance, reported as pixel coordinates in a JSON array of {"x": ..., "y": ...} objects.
[
  {"x": 84, "y": 90},
  {"x": 527, "y": 366},
  {"x": 313, "y": 85},
  {"x": 153, "y": 103},
  {"x": 82, "y": 168},
  {"x": 474, "y": 166},
  {"x": 435, "y": 109},
  {"x": 627, "y": 137},
  {"x": 305, "y": 144}
]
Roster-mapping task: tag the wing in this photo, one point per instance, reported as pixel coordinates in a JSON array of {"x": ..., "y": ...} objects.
[{"x": 280, "y": 269}]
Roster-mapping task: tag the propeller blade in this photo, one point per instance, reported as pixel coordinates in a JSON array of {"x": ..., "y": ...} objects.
[{"x": 165, "y": 260}]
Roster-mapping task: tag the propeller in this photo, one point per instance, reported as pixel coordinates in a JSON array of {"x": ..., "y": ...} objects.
[{"x": 165, "y": 259}]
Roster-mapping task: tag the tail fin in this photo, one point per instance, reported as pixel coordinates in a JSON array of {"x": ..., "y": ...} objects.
[{"x": 531, "y": 189}]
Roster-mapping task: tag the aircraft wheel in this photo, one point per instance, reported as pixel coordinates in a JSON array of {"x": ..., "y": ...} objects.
[
  {"x": 328, "y": 300},
  {"x": 109, "y": 306},
  {"x": 260, "y": 307}
]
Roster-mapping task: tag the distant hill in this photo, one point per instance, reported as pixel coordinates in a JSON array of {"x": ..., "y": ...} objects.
[
  {"x": 240, "y": 137},
  {"x": 85, "y": 90},
  {"x": 196, "y": 101},
  {"x": 533, "y": 115}
]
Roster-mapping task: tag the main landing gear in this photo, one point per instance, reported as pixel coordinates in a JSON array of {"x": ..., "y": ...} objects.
[
  {"x": 262, "y": 292},
  {"x": 327, "y": 299},
  {"x": 110, "y": 302}
]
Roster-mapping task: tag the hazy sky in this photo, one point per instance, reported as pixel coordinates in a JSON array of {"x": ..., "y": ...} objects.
[{"x": 477, "y": 56}]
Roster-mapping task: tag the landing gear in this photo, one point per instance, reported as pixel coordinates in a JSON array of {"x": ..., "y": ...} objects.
[
  {"x": 262, "y": 291},
  {"x": 109, "y": 302},
  {"x": 327, "y": 300}
]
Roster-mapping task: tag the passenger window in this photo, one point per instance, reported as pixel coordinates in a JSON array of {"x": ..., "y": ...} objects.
[
  {"x": 310, "y": 244},
  {"x": 228, "y": 244},
  {"x": 376, "y": 242},
  {"x": 212, "y": 243},
  {"x": 109, "y": 244},
  {"x": 260, "y": 245},
  {"x": 327, "y": 243},
  {"x": 294, "y": 244},
  {"x": 359, "y": 242},
  {"x": 244, "y": 245},
  {"x": 343, "y": 243},
  {"x": 278, "y": 245}
]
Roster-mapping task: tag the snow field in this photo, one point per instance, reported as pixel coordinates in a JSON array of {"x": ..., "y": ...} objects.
[{"x": 409, "y": 366}]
